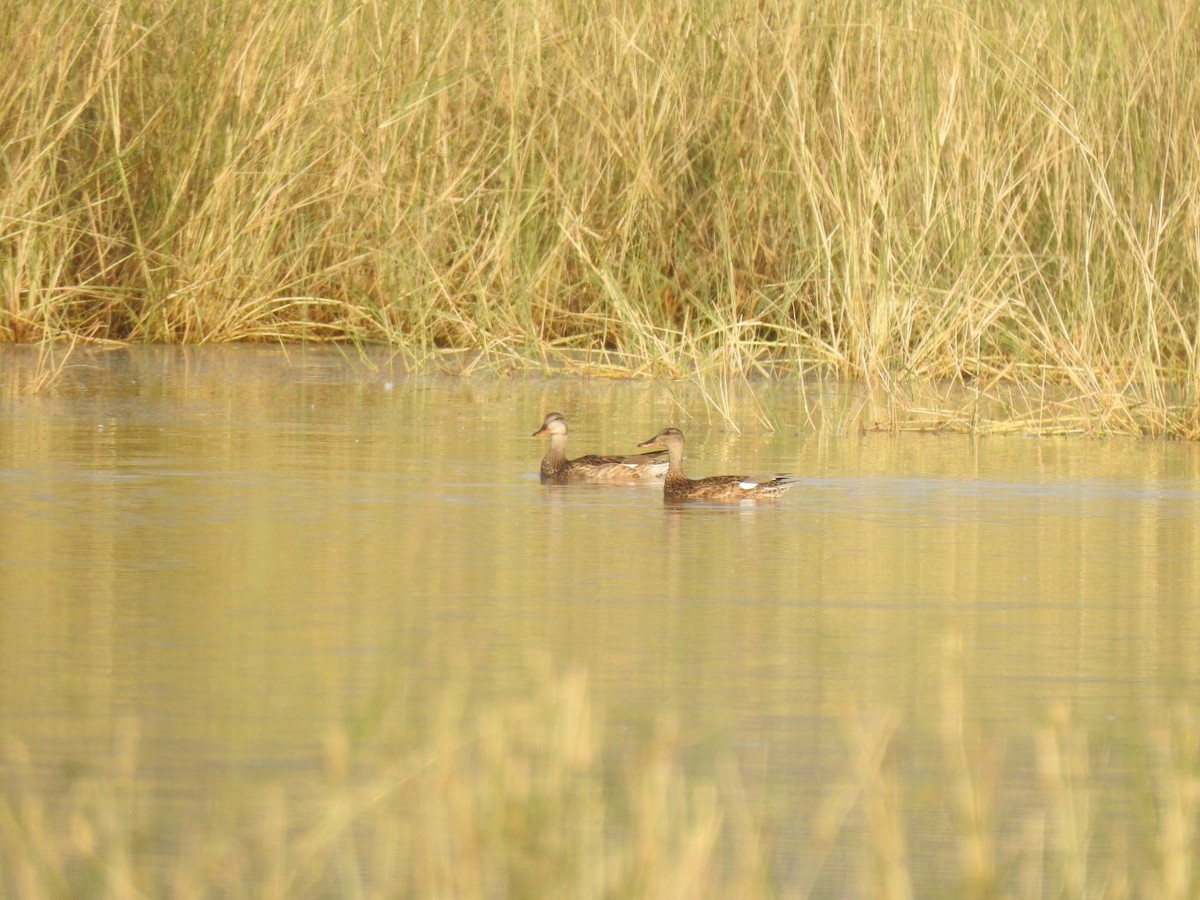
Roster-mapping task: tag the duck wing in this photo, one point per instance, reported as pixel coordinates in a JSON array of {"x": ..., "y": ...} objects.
[{"x": 739, "y": 487}]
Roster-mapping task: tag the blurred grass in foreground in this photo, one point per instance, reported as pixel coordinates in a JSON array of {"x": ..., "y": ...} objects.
[
  {"x": 528, "y": 799},
  {"x": 994, "y": 193}
]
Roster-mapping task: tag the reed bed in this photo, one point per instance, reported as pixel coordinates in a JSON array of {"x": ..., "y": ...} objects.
[
  {"x": 989, "y": 193},
  {"x": 531, "y": 798}
]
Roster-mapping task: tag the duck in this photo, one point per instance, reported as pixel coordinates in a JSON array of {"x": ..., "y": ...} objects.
[
  {"x": 556, "y": 468},
  {"x": 677, "y": 486}
]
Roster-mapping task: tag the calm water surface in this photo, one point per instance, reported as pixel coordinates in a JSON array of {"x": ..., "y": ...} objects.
[{"x": 237, "y": 548}]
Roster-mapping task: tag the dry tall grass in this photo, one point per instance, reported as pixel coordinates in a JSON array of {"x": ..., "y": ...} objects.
[{"x": 989, "y": 192}]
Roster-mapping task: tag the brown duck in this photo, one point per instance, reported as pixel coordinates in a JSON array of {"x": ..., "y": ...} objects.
[
  {"x": 640, "y": 467},
  {"x": 677, "y": 486}
]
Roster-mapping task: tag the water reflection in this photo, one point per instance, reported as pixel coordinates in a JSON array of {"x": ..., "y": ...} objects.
[{"x": 238, "y": 549}]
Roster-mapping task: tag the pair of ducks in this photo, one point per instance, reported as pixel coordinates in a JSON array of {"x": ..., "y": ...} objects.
[{"x": 643, "y": 467}]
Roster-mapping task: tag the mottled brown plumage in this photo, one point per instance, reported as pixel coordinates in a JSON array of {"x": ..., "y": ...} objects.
[
  {"x": 677, "y": 486},
  {"x": 638, "y": 468}
]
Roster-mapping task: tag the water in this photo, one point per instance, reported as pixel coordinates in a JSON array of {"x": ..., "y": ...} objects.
[{"x": 232, "y": 551}]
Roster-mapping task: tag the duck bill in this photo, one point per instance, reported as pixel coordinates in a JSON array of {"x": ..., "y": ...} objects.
[
  {"x": 649, "y": 443},
  {"x": 541, "y": 431}
]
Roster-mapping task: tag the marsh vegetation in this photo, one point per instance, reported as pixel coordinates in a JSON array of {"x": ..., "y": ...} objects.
[{"x": 1003, "y": 196}]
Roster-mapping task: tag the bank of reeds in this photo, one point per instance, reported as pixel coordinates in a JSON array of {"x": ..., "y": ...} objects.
[
  {"x": 990, "y": 192},
  {"x": 530, "y": 798}
]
